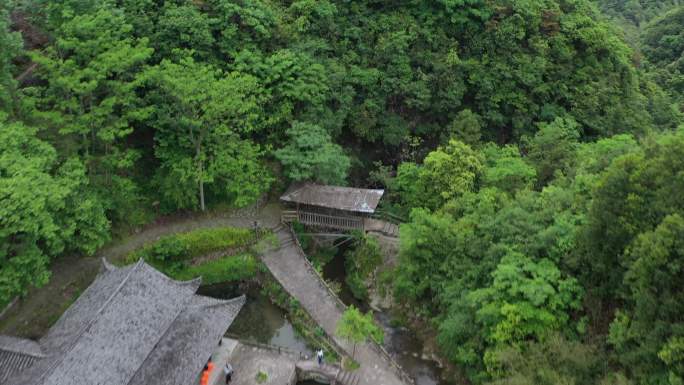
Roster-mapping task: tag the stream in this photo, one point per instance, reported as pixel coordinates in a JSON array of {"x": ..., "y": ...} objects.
[
  {"x": 400, "y": 342},
  {"x": 259, "y": 320}
]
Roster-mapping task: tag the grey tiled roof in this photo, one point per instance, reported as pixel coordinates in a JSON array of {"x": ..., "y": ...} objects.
[
  {"x": 335, "y": 197},
  {"x": 195, "y": 333},
  {"x": 133, "y": 325}
]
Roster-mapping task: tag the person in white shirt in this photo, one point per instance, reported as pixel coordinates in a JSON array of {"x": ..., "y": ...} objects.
[{"x": 228, "y": 371}]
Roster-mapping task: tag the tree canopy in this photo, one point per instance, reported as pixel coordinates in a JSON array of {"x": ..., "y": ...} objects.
[{"x": 535, "y": 146}]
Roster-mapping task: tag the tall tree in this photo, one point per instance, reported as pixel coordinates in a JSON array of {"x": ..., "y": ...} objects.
[
  {"x": 648, "y": 333},
  {"x": 553, "y": 148},
  {"x": 203, "y": 119},
  {"x": 10, "y": 46},
  {"x": 310, "y": 154},
  {"x": 89, "y": 99},
  {"x": 358, "y": 327},
  {"x": 449, "y": 172},
  {"x": 46, "y": 208}
]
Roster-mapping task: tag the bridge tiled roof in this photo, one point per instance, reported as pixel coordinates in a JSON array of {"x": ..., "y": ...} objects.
[
  {"x": 133, "y": 325},
  {"x": 335, "y": 197}
]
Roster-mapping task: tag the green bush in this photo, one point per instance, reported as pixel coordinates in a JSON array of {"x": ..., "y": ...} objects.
[
  {"x": 185, "y": 246},
  {"x": 225, "y": 269},
  {"x": 261, "y": 377},
  {"x": 322, "y": 256},
  {"x": 304, "y": 240},
  {"x": 206, "y": 241},
  {"x": 357, "y": 285},
  {"x": 172, "y": 255},
  {"x": 360, "y": 263},
  {"x": 168, "y": 250}
]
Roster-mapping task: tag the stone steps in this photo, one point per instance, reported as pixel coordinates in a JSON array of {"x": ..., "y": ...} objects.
[{"x": 347, "y": 378}]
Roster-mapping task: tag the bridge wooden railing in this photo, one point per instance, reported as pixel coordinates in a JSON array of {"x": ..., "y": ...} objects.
[
  {"x": 322, "y": 220},
  {"x": 389, "y": 217},
  {"x": 398, "y": 370}
]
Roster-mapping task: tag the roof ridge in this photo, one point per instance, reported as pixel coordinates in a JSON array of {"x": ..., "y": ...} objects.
[
  {"x": 90, "y": 323},
  {"x": 106, "y": 265},
  {"x": 161, "y": 337},
  {"x": 6, "y": 340},
  {"x": 220, "y": 302}
]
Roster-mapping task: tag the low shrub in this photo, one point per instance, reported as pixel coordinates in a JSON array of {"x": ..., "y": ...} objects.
[
  {"x": 182, "y": 247},
  {"x": 225, "y": 269},
  {"x": 205, "y": 241},
  {"x": 172, "y": 255},
  {"x": 261, "y": 377},
  {"x": 361, "y": 262}
]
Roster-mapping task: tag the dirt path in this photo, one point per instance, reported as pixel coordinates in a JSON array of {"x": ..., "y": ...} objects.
[
  {"x": 288, "y": 265},
  {"x": 33, "y": 315}
]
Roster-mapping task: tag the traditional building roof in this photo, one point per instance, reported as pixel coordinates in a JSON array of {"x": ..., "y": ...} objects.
[
  {"x": 335, "y": 197},
  {"x": 133, "y": 325},
  {"x": 16, "y": 354}
]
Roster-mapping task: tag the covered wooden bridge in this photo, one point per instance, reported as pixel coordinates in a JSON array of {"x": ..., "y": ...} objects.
[
  {"x": 335, "y": 208},
  {"x": 331, "y": 207}
]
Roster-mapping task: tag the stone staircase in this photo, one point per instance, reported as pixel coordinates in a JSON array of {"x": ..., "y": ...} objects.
[
  {"x": 390, "y": 229},
  {"x": 346, "y": 378},
  {"x": 381, "y": 227}
]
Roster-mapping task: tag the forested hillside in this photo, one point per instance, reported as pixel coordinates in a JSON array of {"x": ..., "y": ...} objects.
[
  {"x": 539, "y": 158},
  {"x": 634, "y": 14},
  {"x": 654, "y": 30}
]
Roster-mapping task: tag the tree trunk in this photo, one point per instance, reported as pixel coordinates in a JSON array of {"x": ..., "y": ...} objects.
[
  {"x": 354, "y": 352},
  {"x": 201, "y": 191},
  {"x": 198, "y": 151}
]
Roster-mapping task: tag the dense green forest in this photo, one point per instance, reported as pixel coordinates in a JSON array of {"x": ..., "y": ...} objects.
[
  {"x": 633, "y": 15},
  {"x": 536, "y": 148}
]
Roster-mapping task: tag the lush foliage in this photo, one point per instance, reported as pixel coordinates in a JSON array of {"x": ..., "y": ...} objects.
[
  {"x": 216, "y": 255},
  {"x": 360, "y": 263},
  {"x": 508, "y": 271},
  {"x": 663, "y": 46},
  {"x": 536, "y": 152},
  {"x": 310, "y": 154},
  {"x": 47, "y": 209},
  {"x": 229, "y": 268}
]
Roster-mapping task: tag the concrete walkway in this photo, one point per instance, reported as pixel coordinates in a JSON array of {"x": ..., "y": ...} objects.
[
  {"x": 281, "y": 366},
  {"x": 289, "y": 266}
]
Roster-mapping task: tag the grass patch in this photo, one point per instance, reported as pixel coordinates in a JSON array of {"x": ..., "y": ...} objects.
[
  {"x": 185, "y": 246},
  {"x": 205, "y": 241},
  {"x": 173, "y": 254},
  {"x": 228, "y": 268}
]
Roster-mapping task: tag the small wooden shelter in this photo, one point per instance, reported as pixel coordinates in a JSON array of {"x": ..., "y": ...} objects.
[{"x": 331, "y": 207}]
